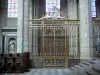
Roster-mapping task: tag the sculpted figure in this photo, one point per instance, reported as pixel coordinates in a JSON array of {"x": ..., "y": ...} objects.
[{"x": 11, "y": 46}]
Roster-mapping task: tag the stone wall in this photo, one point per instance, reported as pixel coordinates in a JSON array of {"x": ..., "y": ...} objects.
[{"x": 11, "y": 22}]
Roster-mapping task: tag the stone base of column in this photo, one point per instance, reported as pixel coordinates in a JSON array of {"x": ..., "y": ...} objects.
[
  {"x": 72, "y": 62},
  {"x": 36, "y": 63}
]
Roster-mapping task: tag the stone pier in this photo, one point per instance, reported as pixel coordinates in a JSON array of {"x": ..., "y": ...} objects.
[
  {"x": 23, "y": 24},
  {"x": 85, "y": 30}
]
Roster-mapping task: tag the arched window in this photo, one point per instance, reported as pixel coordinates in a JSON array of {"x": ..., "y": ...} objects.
[
  {"x": 12, "y": 8},
  {"x": 93, "y": 8},
  {"x": 52, "y": 7}
]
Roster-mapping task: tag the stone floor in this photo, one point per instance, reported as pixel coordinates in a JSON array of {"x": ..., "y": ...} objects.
[
  {"x": 45, "y": 72},
  {"x": 87, "y": 68}
]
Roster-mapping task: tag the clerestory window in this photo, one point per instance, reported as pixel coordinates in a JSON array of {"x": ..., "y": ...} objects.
[
  {"x": 93, "y": 8},
  {"x": 12, "y": 8},
  {"x": 52, "y": 8}
]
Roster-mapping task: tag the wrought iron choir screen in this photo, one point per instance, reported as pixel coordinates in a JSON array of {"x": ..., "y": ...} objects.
[{"x": 54, "y": 42}]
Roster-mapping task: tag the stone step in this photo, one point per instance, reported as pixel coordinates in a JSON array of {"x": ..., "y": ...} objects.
[
  {"x": 87, "y": 63},
  {"x": 82, "y": 65},
  {"x": 81, "y": 70},
  {"x": 91, "y": 72},
  {"x": 91, "y": 62},
  {"x": 77, "y": 66},
  {"x": 96, "y": 68},
  {"x": 74, "y": 71},
  {"x": 73, "y": 68},
  {"x": 88, "y": 69}
]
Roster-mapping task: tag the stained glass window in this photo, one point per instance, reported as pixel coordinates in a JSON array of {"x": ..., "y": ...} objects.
[
  {"x": 52, "y": 8},
  {"x": 93, "y": 8},
  {"x": 12, "y": 8}
]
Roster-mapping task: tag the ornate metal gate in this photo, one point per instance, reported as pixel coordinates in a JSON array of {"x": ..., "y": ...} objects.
[{"x": 49, "y": 43}]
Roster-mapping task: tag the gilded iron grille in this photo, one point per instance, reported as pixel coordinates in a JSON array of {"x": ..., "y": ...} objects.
[{"x": 54, "y": 41}]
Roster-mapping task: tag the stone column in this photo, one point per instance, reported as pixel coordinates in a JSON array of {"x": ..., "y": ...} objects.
[
  {"x": 30, "y": 28},
  {"x": 35, "y": 9},
  {"x": 72, "y": 14},
  {"x": 35, "y": 31},
  {"x": 23, "y": 24},
  {"x": 86, "y": 43},
  {"x": 26, "y": 25},
  {"x": 72, "y": 9},
  {"x": 20, "y": 26}
]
